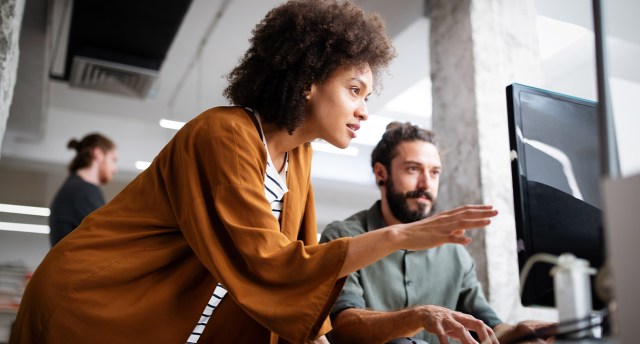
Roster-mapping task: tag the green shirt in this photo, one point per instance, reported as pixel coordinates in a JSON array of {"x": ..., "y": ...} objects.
[{"x": 443, "y": 276}]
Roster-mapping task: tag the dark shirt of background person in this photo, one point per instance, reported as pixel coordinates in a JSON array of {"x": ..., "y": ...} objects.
[{"x": 80, "y": 194}]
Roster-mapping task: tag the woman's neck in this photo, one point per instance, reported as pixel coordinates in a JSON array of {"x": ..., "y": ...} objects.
[{"x": 279, "y": 142}]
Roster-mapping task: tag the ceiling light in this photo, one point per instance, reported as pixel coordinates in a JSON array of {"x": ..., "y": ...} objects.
[
  {"x": 23, "y": 209},
  {"x": 169, "y": 124},
  {"x": 24, "y": 227},
  {"x": 142, "y": 165},
  {"x": 328, "y": 148}
]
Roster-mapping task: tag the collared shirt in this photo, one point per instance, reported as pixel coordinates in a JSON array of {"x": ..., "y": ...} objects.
[{"x": 443, "y": 276}]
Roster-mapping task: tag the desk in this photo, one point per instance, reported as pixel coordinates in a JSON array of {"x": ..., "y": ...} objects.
[{"x": 587, "y": 341}]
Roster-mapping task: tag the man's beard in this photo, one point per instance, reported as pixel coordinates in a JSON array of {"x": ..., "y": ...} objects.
[
  {"x": 103, "y": 175},
  {"x": 400, "y": 207}
]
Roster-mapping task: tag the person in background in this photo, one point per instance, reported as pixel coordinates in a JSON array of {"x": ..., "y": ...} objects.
[
  {"x": 80, "y": 194},
  {"x": 422, "y": 293},
  {"x": 216, "y": 241}
]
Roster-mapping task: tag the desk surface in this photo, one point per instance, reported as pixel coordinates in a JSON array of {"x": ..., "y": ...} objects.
[{"x": 587, "y": 341}]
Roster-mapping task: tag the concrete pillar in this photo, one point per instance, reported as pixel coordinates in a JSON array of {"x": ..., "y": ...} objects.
[
  {"x": 478, "y": 47},
  {"x": 11, "y": 12}
]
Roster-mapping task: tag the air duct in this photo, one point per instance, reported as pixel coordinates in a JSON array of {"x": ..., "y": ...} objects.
[{"x": 107, "y": 76}]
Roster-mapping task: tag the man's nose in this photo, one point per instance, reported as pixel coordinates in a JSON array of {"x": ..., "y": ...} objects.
[{"x": 424, "y": 181}]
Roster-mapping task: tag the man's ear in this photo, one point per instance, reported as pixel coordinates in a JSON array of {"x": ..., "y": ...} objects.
[
  {"x": 380, "y": 172},
  {"x": 97, "y": 154}
]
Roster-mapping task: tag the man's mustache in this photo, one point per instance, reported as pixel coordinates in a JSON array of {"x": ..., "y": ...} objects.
[{"x": 418, "y": 194}]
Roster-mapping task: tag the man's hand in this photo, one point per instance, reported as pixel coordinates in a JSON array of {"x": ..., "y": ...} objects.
[
  {"x": 507, "y": 333},
  {"x": 444, "y": 323}
]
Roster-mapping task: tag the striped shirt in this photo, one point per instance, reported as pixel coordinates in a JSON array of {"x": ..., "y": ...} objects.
[{"x": 275, "y": 187}]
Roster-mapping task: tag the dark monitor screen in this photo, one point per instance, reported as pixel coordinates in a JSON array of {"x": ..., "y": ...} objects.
[{"x": 554, "y": 140}]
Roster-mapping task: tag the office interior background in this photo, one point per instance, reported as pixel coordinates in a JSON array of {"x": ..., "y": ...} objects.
[{"x": 47, "y": 110}]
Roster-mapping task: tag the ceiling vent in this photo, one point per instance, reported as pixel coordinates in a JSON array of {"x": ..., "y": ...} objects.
[{"x": 100, "y": 75}]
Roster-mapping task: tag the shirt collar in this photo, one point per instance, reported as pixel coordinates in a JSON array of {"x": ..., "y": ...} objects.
[{"x": 374, "y": 217}]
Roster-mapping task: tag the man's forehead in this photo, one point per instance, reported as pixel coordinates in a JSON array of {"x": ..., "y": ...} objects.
[{"x": 416, "y": 151}]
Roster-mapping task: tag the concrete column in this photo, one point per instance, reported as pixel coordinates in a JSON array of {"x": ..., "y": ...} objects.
[
  {"x": 478, "y": 47},
  {"x": 11, "y": 12}
]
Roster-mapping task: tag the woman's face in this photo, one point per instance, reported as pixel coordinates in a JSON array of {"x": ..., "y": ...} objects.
[{"x": 336, "y": 107}]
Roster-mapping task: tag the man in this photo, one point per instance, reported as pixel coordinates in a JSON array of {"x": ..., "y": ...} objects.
[
  {"x": 93, "y": 165},
  {"x": 409, "y": 293}
]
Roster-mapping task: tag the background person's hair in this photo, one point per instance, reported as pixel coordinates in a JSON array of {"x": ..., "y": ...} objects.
[
  {"x": 397, "y": 133},
  {"x": 301, "y": 43},
  {"x": 85, "y": 147}
]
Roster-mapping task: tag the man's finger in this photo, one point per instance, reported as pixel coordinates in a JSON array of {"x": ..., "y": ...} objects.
[
  {"x": 461, "y": 333},
  {"x": 442, "y": 336},
  {"x": 485, "y": 333}
]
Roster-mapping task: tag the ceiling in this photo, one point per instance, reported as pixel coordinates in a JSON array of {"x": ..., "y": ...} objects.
[{"x": 188, "y": 46}]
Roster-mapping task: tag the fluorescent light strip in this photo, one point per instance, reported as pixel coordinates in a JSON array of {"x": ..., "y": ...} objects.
[
  {"x": 142, "y": 165},
  {"x": 24, "y": 209},
  {"x": 24, "y": 227},
  {"x": 169, "y": 124},
  {"x": 328, "y": 148}
]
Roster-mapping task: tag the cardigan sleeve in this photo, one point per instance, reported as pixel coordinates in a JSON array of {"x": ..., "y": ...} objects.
[{"x": 214, "y": 175}]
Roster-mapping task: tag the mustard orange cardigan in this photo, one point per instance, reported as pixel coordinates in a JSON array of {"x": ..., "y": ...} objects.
[{"x": 142, "y": 268}]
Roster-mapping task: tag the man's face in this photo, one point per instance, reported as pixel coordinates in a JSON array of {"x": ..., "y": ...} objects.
[
  {"x": 107, "y": 165},
  {"x": 411, "y": 187}
]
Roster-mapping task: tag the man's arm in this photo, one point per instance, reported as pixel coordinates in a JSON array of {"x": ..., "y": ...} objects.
[{"x": 364, "y": 326}]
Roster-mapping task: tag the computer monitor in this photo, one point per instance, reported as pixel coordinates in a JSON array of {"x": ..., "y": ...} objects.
[{"x": 555, "y": 147}]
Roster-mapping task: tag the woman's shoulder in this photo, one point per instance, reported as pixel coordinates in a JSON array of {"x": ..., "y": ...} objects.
[
  {"x": 224, "y": 116},
  {"x": 220, "y": 122}
]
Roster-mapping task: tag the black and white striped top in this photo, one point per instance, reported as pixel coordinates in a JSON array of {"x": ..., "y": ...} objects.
[{"x": 275, "y": 187}]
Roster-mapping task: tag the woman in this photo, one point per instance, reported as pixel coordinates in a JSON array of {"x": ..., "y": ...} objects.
[{"x": 227, "y": 206}]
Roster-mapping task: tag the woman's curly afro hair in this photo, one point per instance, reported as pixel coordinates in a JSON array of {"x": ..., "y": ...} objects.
[{"x": 300, "y": 43}]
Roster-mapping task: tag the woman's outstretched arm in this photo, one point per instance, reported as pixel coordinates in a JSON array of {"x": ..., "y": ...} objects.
[{"x": 444, "y": 228}]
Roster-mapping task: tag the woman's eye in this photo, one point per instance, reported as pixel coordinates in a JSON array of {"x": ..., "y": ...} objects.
[{"x": 355, "y": 90}]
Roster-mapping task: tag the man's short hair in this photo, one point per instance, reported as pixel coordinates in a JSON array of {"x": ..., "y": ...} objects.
[{"x": 397, "y": 133}]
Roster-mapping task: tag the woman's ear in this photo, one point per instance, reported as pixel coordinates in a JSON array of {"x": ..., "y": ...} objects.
[{"x": 308, "y": 93}]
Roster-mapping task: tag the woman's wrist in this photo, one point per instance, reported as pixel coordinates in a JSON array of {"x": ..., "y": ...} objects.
[{"x": 396, "y": 236}]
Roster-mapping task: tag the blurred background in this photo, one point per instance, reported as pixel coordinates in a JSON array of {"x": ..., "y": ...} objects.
[{"x": 149, "y": 61}]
